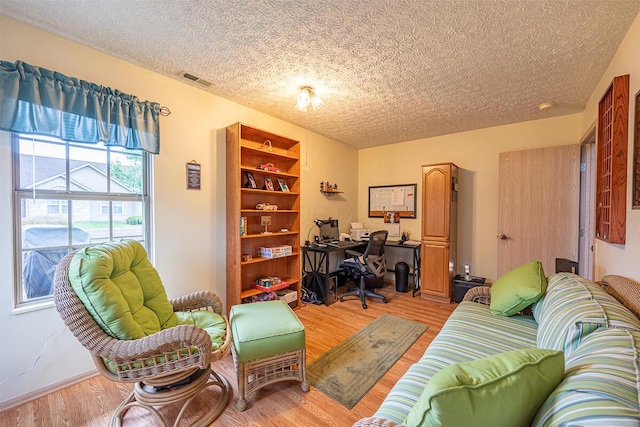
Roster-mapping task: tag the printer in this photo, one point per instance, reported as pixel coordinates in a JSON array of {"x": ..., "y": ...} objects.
[{"x": 358, "y": 232}]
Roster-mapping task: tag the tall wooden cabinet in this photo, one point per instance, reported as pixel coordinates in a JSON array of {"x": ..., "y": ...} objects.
[
  {"x": 247, "y": 149},
  {"x": 439, "y": 225}
]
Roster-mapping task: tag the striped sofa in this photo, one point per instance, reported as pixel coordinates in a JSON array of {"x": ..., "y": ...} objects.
[{"x": 600, "y": 339}]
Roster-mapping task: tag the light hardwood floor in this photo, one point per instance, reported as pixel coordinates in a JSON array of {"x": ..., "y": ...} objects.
[{"x": 91, "y": 402}]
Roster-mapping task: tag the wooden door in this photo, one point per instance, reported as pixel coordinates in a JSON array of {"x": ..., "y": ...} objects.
[{"x": 538, "y": 207}]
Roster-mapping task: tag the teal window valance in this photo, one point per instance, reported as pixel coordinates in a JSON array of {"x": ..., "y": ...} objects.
[{"x": 35, "y": 100}]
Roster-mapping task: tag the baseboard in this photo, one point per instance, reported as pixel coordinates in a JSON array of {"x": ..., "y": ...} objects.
[{"x": 34, "y": 394}]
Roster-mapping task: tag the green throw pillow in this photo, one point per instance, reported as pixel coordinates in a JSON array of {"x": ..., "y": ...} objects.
[
  {"x": 518, "y": 289},
  {"x": 506, "y": 389}
]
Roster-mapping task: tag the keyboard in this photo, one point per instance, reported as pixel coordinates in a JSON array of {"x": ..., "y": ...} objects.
[{"x": 339, "y": 243}]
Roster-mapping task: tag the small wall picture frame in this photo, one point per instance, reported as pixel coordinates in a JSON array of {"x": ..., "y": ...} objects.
[
  {"x": 268, "y": 184},
  {"x": 283, "y": 185},
  {"x": 251, "y": 180},
  {"x": 193, "y": 175}
]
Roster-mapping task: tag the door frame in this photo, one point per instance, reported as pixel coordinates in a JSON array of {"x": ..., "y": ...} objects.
[{"x": 586, "y": 238}]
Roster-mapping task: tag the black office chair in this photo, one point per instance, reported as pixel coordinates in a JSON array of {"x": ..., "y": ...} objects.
[{"x": 370, "y": 264}]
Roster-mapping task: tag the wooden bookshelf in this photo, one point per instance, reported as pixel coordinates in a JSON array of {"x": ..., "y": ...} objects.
[{"x": 248, "y": 148}]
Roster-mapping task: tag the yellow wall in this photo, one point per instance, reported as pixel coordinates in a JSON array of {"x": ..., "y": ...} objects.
[
  {"x": 189, "y": 250},
  {"x": 620, "y": 259},
  {"x": 476, "y": 154}
]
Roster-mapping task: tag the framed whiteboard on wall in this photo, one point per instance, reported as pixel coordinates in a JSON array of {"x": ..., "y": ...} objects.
[{"x": 399, "y": 199}]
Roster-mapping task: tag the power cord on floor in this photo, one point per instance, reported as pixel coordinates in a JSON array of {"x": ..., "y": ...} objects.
[{"x": 60, "y": 327}]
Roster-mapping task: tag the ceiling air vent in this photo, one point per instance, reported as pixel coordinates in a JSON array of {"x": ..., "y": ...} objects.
[{"x": 195, "y": 79}]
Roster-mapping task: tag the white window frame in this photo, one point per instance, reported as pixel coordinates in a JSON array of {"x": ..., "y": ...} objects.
[{"x": 67, "y": 195}]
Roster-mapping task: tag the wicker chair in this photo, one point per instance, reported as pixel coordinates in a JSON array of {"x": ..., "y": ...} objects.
[
  {"x": 165, "y": 367},
  {"x": 479, "y": 294}
]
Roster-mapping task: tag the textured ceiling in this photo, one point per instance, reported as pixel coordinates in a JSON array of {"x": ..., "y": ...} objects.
[{"x": 388, "y": 71}]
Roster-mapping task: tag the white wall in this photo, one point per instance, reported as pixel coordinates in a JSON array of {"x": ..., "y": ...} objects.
[
  {"x": 189, "y": 248},
  {"x": 620, "y": 259},
  {"x": 476, "y": 153}
]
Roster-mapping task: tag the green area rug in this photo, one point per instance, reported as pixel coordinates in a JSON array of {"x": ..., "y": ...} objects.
[{"x": 348, "y": 371}]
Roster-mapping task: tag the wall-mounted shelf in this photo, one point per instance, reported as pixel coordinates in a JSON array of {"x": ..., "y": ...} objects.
[{"x": 329, "y": 190}]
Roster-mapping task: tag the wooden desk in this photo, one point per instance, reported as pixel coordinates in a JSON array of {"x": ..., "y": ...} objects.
[{"x": 320, "y": 264}]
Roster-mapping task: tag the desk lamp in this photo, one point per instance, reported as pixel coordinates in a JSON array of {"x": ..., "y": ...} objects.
[{"x": 317, "y": 223}]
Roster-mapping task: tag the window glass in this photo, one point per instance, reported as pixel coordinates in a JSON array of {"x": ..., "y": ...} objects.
[
  {"x": 126, "y": 171},
  {"x": 42, "y": 164},
  {"x": 88, "y": 168},
  {"x": 69, "y": 196}
]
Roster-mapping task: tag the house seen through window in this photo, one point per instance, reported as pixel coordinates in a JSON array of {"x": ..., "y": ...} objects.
[{"x": 67, "y": 196}]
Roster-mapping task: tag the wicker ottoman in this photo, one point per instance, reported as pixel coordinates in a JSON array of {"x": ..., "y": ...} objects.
[{"x": 268, "y": 346}]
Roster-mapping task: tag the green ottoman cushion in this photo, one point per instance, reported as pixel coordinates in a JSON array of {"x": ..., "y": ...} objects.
[{"x": 265, "y": 329}]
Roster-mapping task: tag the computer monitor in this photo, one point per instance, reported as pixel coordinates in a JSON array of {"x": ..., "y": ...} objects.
[{"x": 329, "y": 231}]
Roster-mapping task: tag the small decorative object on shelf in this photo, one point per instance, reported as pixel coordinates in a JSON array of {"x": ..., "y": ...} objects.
[
  {"x": 266, "y": 222},
  {"x": 267, "y": 146},
  {"x": 246, "y": 257},
  {"x": 251, "y": 180},
  {"x": 268, "y": 167},
  {"x": 405, "y": 236},
  {"x": 268, "y": 184},
  {"x": 283, "y": 185},
  {"x": 266, "y": 207}
]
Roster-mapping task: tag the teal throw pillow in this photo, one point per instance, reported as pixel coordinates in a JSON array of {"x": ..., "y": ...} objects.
[
  {"x": 505, "y": 389},
  {"x": 518, "y": 289}
]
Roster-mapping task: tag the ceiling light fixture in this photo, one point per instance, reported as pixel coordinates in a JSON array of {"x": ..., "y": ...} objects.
[
  {"x": 546, "y": 105},
  {"x": 308, "y": 97}
]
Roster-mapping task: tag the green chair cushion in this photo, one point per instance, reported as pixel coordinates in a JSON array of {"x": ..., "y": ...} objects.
[
  {"x": 121, "y": 289},
  {"x": 505, "y": 389},
  {"x": 265, "y": 329},
  {"x": 518, "y": 289},
  {"x": 211, "y": 322}
]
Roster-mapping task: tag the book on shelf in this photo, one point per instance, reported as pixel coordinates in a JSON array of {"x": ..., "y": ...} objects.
[{"x": 243, "y": 225}]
